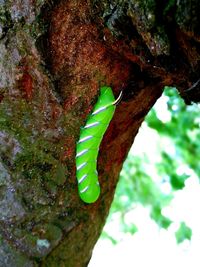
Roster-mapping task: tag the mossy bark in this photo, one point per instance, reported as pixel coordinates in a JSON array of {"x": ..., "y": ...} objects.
[{"x": 54, "y": 55}]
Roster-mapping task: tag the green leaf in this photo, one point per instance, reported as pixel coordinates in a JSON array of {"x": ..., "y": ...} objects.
[
  {"x": 162, "y": 221},
  {"x": 184, "y": 232},
  {"x": 105, "y": 235},
  {"x": 129, "y": 228}
]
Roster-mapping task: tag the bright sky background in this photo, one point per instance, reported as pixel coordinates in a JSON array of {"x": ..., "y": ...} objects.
[{"x": 152, "y": 246}]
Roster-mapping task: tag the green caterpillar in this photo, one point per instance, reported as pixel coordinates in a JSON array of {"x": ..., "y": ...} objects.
[{"x": 88, "y": 145}]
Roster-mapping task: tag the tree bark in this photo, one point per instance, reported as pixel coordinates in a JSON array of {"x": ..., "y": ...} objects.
[{"x": 54, "y": 56}]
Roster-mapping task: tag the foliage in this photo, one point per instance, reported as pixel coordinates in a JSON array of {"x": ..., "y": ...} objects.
[
  {"x": 145, "y": 176},
  {"x": 184, "y": 232}
]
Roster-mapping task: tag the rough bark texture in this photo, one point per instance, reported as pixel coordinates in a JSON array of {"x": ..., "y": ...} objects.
[{"x": 54, "y": 55}]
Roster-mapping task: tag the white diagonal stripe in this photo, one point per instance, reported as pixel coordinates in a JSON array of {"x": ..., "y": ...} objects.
[
  {"x": 81, "y": 166},
  {"x": 99, "y": 110},
  {"x": 82, "y": 178},
  {"x": 85, "y": 138},
  {"x": 85, "y": 189},
  {"x": 91, "y": 124},
  {"x": 81, "y": 153}
]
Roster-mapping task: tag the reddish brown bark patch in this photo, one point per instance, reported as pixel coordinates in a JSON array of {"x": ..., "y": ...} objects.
[
  {"x": 81, "y": 59},
  {"x": 25, "y": 82},
  {"x": 1, "y": 97}
]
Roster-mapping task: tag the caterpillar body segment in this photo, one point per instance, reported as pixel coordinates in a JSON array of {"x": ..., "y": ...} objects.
[{"x": 88, "y": 145}]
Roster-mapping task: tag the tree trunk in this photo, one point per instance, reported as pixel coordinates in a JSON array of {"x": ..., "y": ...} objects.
[{"x": 54, "y": 56}]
